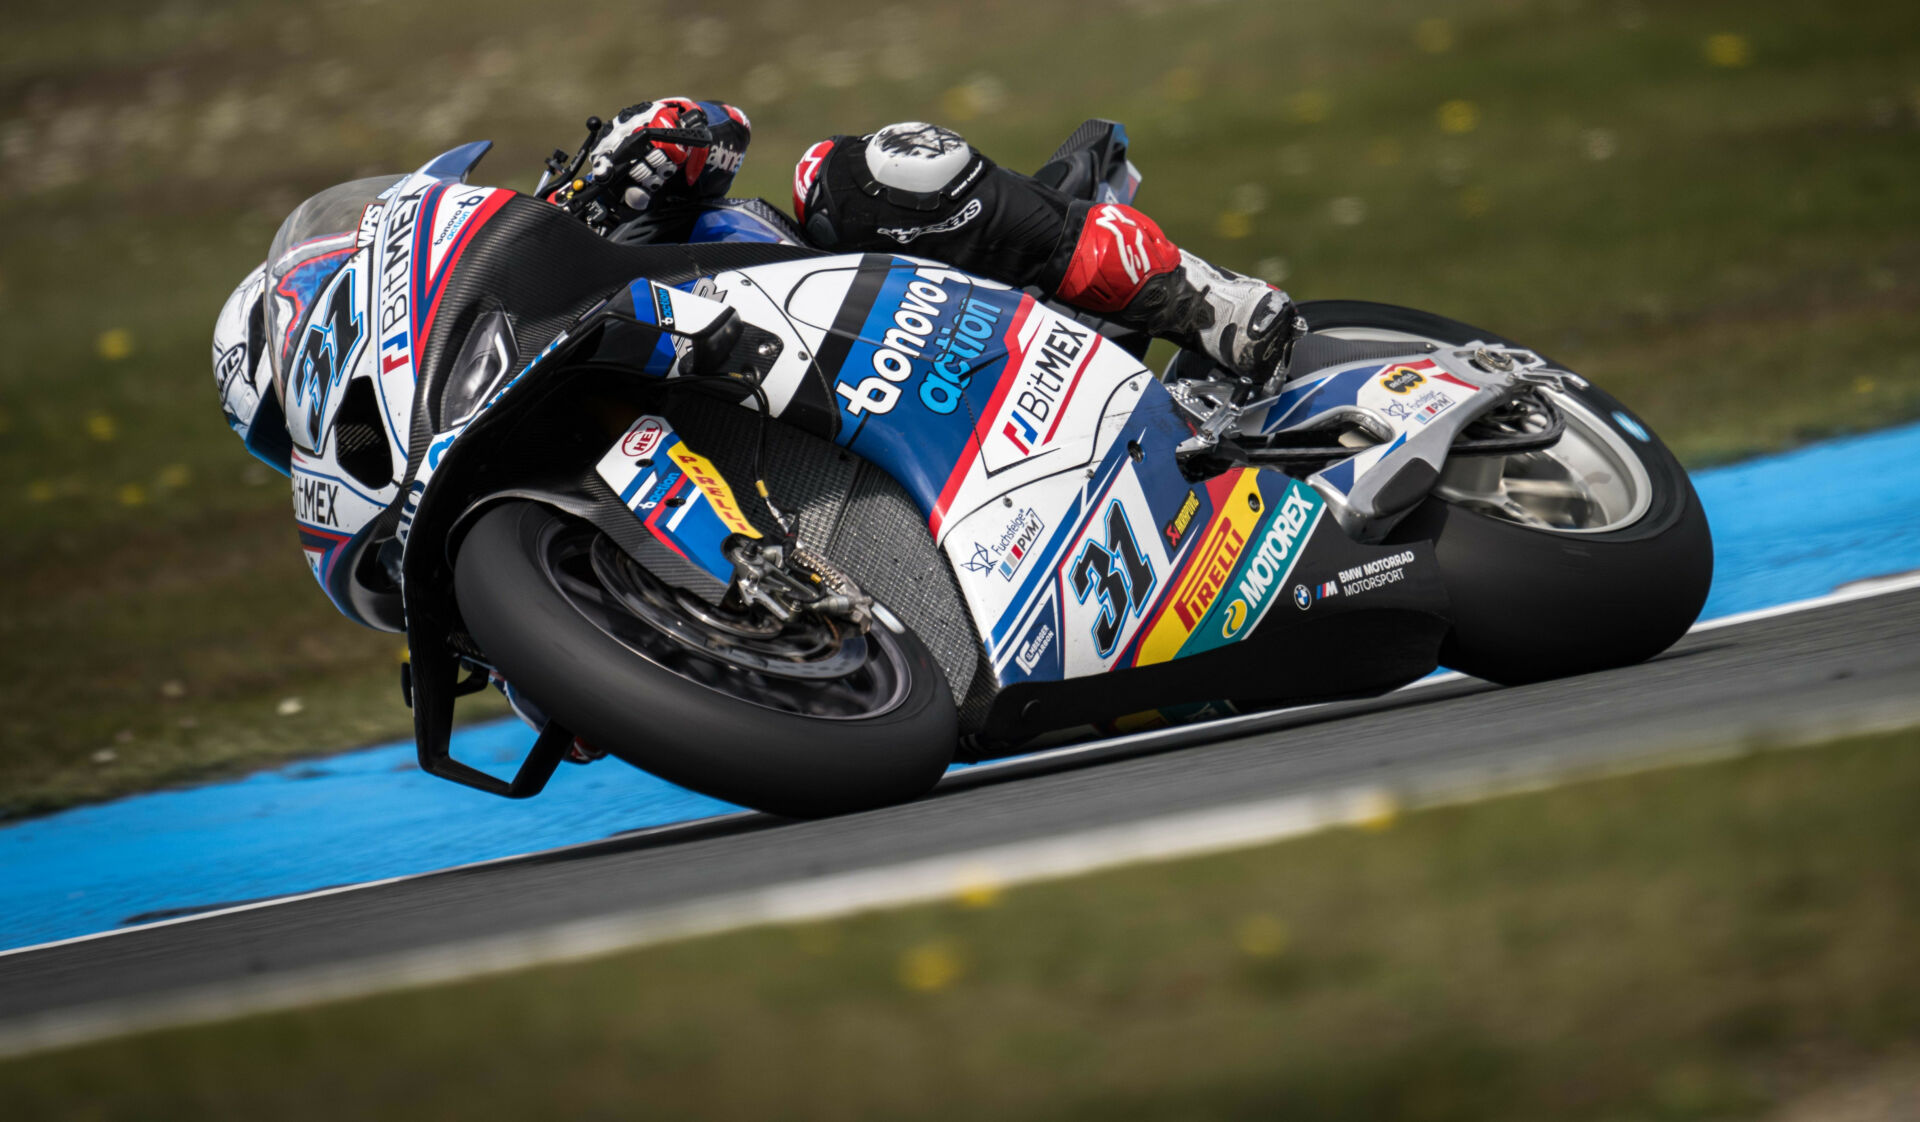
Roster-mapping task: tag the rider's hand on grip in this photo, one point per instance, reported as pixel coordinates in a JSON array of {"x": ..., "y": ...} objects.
[{"x": 651, "y": 144}]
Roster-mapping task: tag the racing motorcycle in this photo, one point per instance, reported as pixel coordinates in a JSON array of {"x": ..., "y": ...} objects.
[{"x": 798, "y": 529}]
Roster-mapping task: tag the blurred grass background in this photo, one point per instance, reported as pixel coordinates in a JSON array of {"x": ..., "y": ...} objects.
[
  {"x": 1712, "y": 208},
  {"x": 1739, "y": 940}
]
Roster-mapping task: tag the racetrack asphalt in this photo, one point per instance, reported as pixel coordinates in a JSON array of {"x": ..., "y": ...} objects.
[{"x": 1829, "y": 669}]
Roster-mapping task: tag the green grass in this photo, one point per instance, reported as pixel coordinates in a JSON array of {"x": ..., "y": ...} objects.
[
  {"x": 1699, "y": 943},
  {"x": 1732, "y": 249}
]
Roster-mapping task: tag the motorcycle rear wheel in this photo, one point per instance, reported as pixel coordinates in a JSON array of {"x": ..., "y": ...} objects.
[
  {"x": 869, "y": 724},
  {"x": 1589, "y": 555}
]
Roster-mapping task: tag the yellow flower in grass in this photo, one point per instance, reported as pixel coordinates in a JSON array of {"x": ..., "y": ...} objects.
[
  {"x": 1434, "y": 36},
  {"x": 1182, "y": 83},
  {"x": 1260, "y": 936},
  {"x": 1458, "y": 116},
  {"x": 1377, "y": 813},
  {"x": 114, "y": 344},
  {"x": 1728, "y": 49},
  {"x": 1309, "y": 107},
  {"x": 930, "y": 967},
  {"x": 978, "y": 888}
]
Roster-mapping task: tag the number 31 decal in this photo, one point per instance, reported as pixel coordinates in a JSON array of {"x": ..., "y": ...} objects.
[{"x": 1119, "y": 572}]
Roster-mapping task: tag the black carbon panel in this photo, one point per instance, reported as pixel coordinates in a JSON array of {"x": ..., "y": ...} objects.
[
  {"x": 614, "y": 518},
  {"x": 1317, "y": 352},
  {"x": 979, "y": 700},
  {"x": 860, "y": 516},
  {"x": 882, "y": 540}
]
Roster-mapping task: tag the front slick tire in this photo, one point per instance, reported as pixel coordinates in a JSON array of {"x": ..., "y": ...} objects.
[{"x": 520, "y": 589}]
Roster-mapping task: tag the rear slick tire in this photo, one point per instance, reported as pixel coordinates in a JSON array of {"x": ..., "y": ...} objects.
[
  {"x": 1531, "y": 604},
  {"x": 676, "y": 727}
]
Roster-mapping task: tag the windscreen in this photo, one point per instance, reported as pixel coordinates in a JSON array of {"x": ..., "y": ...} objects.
[{"x": 312, "y": 244}]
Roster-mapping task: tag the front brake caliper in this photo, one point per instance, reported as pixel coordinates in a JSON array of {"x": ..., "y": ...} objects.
[{"x": 787, "y": 581}]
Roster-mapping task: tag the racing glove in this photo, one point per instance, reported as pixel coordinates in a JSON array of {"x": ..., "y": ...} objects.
[{"x": 652, "y": 167}]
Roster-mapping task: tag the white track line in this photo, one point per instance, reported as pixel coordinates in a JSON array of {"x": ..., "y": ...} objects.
[
  {"x": 1858, "y": 590},
  {"x": 1169, "y": 837}
]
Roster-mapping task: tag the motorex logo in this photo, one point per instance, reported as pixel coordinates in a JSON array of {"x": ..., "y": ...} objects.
[{"x": 1276, "y": 552}]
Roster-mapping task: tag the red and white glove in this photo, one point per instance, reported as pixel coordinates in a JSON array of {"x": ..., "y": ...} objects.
[{"x": 655, "y": 165}]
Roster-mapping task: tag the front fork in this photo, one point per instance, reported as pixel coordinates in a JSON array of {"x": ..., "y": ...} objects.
[{"x": 682, "y": 499}]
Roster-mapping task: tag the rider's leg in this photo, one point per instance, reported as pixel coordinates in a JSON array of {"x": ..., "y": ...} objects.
[{"x": 921, "y": 189}]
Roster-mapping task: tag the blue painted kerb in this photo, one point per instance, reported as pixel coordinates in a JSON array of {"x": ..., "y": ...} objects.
[{"x": 1785, "y": 528}]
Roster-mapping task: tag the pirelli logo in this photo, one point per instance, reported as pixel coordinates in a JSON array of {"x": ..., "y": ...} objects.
[
  {"x": 704, "y": 476},
  {"x": 1212, "y": 565}
]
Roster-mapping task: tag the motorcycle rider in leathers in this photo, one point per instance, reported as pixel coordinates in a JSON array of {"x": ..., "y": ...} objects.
[{"x": 921, "y": 189}]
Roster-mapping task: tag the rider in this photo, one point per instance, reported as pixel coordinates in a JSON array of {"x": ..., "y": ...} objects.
[{"x": 922, "y": 189}]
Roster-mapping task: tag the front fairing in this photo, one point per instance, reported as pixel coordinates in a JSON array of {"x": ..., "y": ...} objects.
[{"x": 351, "y": 288}]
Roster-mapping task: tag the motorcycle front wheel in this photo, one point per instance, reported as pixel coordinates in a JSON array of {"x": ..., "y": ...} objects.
[
  {"x": 1589, "y": 554},
  {"x": 801, "y": 721}
]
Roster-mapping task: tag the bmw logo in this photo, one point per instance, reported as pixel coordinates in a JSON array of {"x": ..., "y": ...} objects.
[{"x": 1302, "y": 599}]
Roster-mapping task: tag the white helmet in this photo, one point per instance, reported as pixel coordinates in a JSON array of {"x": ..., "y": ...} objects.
[{"x": 243, "y": 373}]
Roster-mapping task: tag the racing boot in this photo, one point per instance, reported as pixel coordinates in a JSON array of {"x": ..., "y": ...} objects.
[{"x": 1124, "y": 268}]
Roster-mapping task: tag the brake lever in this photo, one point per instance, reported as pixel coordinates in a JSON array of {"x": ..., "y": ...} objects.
[
  {"x": 580, "y": 197},
  {"x": 562, "y": 170}
]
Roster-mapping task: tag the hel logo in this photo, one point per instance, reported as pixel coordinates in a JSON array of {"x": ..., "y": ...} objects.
[
  {"x": 1177, "y": 527},
  {"x": 1402, "y": 379},
  {"x": 1302, "y": 599},
  {"x": 643, "y": 438},
  {"x": 1021, "y": 433},
  {"x": 1236, "y": 619}
]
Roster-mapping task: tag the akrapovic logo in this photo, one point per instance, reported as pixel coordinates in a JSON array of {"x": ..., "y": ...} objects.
[{"x": 1274, "y": 555}]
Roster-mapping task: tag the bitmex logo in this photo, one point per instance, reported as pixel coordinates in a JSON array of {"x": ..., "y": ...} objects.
[
  {"x": 1022, "y": 433},
  {"x": 1044, "y": 386}
]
